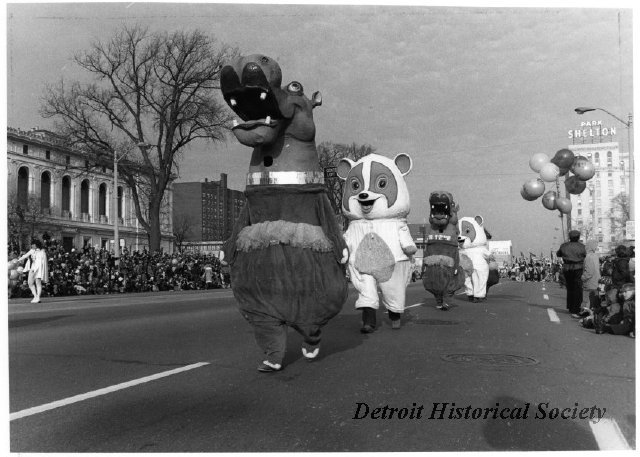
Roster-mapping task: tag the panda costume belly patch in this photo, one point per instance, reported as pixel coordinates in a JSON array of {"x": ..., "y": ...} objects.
[{"x": 376, "y": 202}]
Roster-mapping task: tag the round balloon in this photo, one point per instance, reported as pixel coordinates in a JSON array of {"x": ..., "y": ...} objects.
[
  {"x": 575, "y": 185},
  {"x": 564, "y": 158},
  {"x": 563, "y": 204},
  {"x": 549, "y": 172},
  {"x": 526, "y": 196},
  {"x": 549, "y": 200},
  {"x": 20, "y": 269},
  {"x": 538, "y": 160},
  {"x": 534, "y": 187},
  {"x": 564, "y": 171},
  {"x": 583, "y": 169}
]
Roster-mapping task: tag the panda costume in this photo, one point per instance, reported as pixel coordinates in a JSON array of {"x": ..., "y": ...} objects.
[
  {"x": 475, "y": 258},
  {"x": 376, "y": 202}
]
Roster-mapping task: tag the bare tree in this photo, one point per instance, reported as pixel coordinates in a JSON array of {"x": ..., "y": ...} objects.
[
  {"x": 24, "y": 217},
  {"x": 182, "y": 225},
  {"x": 153, "y": 94},
  {"x": 619, "y": 213},
  {"x": 329, "y": 154}
]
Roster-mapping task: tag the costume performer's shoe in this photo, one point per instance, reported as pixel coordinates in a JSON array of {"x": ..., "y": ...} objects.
[
  {"x": 367, "y": 329},
  {"x": 268, "y": 367},
  {"x": 443, "y": 307},
  {"x": 310, "y": 352},
  {"x": 395, "y": 320},
  {"x": 471, "y": 298},
  {"x": 368, "y": 320}
]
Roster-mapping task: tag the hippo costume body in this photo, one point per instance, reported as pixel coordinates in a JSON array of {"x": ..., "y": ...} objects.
[{"x": 286, "y": 250}]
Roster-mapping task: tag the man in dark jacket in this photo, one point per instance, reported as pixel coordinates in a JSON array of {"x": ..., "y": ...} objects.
[{"x": 573, "y": 254}]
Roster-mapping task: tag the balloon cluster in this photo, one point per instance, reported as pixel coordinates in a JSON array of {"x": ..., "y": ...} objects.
[{"x": 550, "y": 170}]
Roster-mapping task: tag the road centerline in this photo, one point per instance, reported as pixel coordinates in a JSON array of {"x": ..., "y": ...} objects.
[
  {"x": 104, "y": 391},
  {"x": 553, "y": 317}
]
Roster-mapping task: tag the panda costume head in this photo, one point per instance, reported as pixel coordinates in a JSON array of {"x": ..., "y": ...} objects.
[
  {"x": 374, "y": 187},
  {"x": 472, "y": 232}
]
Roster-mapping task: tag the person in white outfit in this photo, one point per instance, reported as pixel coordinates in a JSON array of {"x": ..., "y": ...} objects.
[{"x": 37, "y": 268}]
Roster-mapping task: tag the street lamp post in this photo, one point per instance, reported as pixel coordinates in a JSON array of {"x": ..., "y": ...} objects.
[
  {"x": 628, "y": 123},
  {"x": 116, "y": 234}
]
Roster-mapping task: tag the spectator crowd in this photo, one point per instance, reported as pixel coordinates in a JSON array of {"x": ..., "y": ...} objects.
[{"x": 95, "y": 271}]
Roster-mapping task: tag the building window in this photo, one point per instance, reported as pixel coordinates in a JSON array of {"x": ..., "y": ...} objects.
[
  {"x": 68, "y": 160},
  {"x": 102, "y": 200},
  {"x": 25, "y": 149},
  {"x": 66, "y": 193},
  {"x": 120, "y": 202},
  {"x": 579, "y": 212},
  {"x": 23, "y": 186},
  {"x": 596, "y": 159},
  {"x": 45, "y": 190},
  {"x": 47, "y": 155},
  {"x": 84, "y": 196},
  {"x": 609, "y": 159}
]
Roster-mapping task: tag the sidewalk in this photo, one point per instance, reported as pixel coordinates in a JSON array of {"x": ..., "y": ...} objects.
[{"x": 67, "y": 298}]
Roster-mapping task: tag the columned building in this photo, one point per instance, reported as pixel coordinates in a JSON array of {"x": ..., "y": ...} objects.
[{"x": 75, "y": 198}]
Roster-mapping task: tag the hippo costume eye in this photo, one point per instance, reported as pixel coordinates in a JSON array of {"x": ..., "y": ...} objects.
[
  {"x": 355, "y": 184},
  {"x": 295, "y": 88},
  {"x": 381, "y": 182}
]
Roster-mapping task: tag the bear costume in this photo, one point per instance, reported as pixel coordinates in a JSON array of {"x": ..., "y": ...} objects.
[
  {"x": 376, "y": 202},
  {"x": 474, "y": 246},
  {"x": 286, "y": 251},
  {"x": 441, "y": 271}
]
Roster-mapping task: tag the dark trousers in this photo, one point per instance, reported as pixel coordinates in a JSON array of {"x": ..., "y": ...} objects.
[{"x": 573, "y": 281}]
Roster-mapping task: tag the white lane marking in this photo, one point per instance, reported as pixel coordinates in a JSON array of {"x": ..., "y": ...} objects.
[
  {"x": 417, "y": 304},
  {"x": 553, "y": 317},
  {"x": 545, "y": 296},
  {"x": 608, "y": 435},
  {"x": 97, "y": 393}
]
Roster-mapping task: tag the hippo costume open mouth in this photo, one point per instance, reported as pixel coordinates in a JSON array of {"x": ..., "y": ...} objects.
[
  {"x": 251, "y": 87},
  {"x": 442, "y": 208}
]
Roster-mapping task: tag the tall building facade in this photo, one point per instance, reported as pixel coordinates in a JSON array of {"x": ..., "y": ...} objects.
[
  {"x": 73, "y": 199},
  {"x": 595, "y": 210},
  {"x": 207, "y": 210}
]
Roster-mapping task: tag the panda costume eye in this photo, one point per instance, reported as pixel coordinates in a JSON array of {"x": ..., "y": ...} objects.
[
  {"x": 355, "y": 184},
  {"x": 381, "y": 182}
]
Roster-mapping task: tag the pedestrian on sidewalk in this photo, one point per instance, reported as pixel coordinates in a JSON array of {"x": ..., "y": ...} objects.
[
  {"x": 37, "y": 269},
  {"x": 573, "y": 253},
  {"x": 591, "y": 276}
]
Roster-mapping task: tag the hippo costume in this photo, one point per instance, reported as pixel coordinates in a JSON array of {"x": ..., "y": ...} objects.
[{"x": 286, "y": 251}]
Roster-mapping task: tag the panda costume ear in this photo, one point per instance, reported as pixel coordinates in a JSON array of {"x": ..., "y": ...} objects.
[
  {"x": 479, "y": 220},
  {"x": 404, "y": 163},
  {"x": 343, "y": 168}
]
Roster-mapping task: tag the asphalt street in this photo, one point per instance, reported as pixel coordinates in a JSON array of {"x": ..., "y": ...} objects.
[{"x": 176, "y": 372}]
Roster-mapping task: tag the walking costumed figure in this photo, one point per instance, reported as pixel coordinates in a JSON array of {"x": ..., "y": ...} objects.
[
  {"x": 441, "y": 271},
  {"x": 376, "y": 202},
  {"x": 480, "y": 270},
  {"x": 286, "y": 252}
]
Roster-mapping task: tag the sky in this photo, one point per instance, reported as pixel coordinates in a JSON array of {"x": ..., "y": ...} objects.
[{"x": 469, "y": 93}]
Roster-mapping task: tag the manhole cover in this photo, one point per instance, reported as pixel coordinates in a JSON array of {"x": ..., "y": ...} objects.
[
  {"x": 490, "y": 359},
  {"x": 434, "y": 322}
]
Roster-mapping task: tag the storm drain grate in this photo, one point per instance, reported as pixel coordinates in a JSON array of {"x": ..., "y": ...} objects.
[
  {"x": 490, "y": 359},
  {"x": 434, "y": 322}
]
